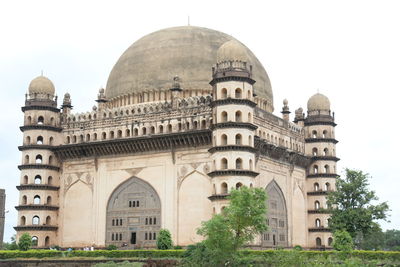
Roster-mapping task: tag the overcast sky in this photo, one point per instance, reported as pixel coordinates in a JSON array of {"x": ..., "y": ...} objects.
[{"x": 348, "y": 50}]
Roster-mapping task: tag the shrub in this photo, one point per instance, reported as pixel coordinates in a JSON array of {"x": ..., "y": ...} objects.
[
  {"x": 298, "y": 248},
  {"x": 177, "y": 247},
  {"x": 164, "y": 240},
  {"x": 25, "y": 242},
  {"x": 112, "y": 247},
  {"x": 342, "y": 241}
]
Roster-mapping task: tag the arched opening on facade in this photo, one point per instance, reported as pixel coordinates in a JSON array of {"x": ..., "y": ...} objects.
[
  {"x": 36, "y": 200},
  {"x": 238, "y": 139},
  {"x": 224, "y": 164},
  {"x": 277, "y": 234},
  {"x": 47, "y": 241},
  {"x": 48, "y": 201},
  {"x": 144, "y": 131},
  {"x": 315, "y": 151},
  {"x": 249, "y": 117},
  {"x": 238, "y": 185},
  {"x": 315, "y": 169},
  {"x": 50, "y": 160},
  {"x": 39, "y": 159},
  {"x": 325, "y": 134},
  {"x": 238, "y": 93},
  {"x": 40, "y": 120},
  {"x": 160, "y": 129},
  {"x": 25, "y": 181},
  {"x": 51, "y": 141},
  {"x": 224, "y": 116},
  {"x": 26, "y": 161},
  {"x": 22, "y": 220},
  {"x": 250, "y": 164},
  {"x": 74, "y": 139},
  {"x": 152, "y": 130},
  {"x": 238, "y": 116},
  {"x": 39, "y": 140},
  {"x": 318, "y": 242},
  {"x": 224, "y": 140},
  {"x": 327, "y": 186},
  {"x": 170, "y": 128},
  {"x": 35, "y": 220},
  {"x": 127, "y": 133},
  {"x": 48, "y": 220},
  {"x": 317, "y": 205},
  {"x": 29, "y": 120},
  {"x": 24, "y": 200},
  {"x": 224, "y": 93},
  {"x": 326, "y": 152},
  {"x": 38, "y": 179},
  {"x": 35, "y": 241},
  {"x": 50, "y": 180},
  {"x": 316, "y": 186},
  {"x": 81, "y": 139},
  {"x": 130, "y": 204},
  {"x": 136, "y": 132},
  {"x": 317, "y": 223},
  {"x": 239, "y": 163},
  {"x": 28, "y": 140},
  {"x": 330, "y": 241},
  {"x": 87, "y": 137},
  {"x": 112, "y": 135},
  {"x": 119, "y": 134},
  {"x": 203, "y": 124},
  {"x": 224, "y": 188}
]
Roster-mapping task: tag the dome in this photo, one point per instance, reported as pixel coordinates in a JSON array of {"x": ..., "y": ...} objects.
[
  {"x": 188, "y": 52},
  {"x": 41, "y": 85},
  {"x": 232, "y": 51},
  {"x": 318, "y": 102}
]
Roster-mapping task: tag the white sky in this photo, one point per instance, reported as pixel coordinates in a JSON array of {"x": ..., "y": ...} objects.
[{"x": 349, "y": 50}]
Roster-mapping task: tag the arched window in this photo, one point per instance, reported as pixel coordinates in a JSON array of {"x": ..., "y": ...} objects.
[
  {"x": 224, "y": 93},
  {"x": 239, "y": 185},
  {"x": 119, "y": 134},
  {"x": 112, "y": 134},
  {"x": 203, "y": 124},
  {"x": 250, "y": 164},
  {"x": 224, "y": 140},
  {"x": 39, "y": 159},
  {"x": 136, "y": 132},
  {"x": 48, "y": 220},
  {"x": 38, "y": 179},
  {"x": 330, "y": 241},
  {"x": 238, "y": 139},
  {"x": 50, "y": 160},
  {"x": 74, "y": 139},
  {"x": 314, "y": 134},
  {"x": 51, "y": 121},
  {"x": 251, "y": 185},
  {"x": 238, "y": 93},
  {"x": 26, "y": 161},
  {"x": 317, "y": 223},
  {"x": 29, "y": 120},
  {"x": 152, "y": 130},
  {"x": 327, "y": 187},
  {"x": 47, "y": 241},
  {"x": 144, "y": 131},
  {"x": 224, "y": 116},
  {"x": 179, "y": 126},
  {"x": 127, "y": 133},
  {"x": 315, "y": 151},
  {"x": 160, "y": 129},
  {"x": 249, "y": 117},
  {"x": 103, "y": 136},
  {"x": 36, "y": 199},
  {"x": 81, "y": 139},
  {"x": 214, "y": 189},
  {"x": 324, "y": 134},
  {"x": 25, "y": 181},
  {"x": 318, "y": 242},
  {"x": 238, "y": 116},
  {"x": 23, "y": 220},
  {"x": 48, "y": 202},
  {"x": 40, "y": 120},
  {"x": 35, "y": 220},
  {"x": 35, "y": 241},
  {"x": 239, "y": 164},
  {"x": 224, "y": 188},
  {"x": 326, "y": 168},
  {"x": 170, "y": 128},
  {"x": 39, "y": 140},
  {"x": 24, "y": 200},
  {"x": 87, "y": 137},
  {"x": 195, "y": 125},
  {"x": 250, "y": 140},
  {"x": 316, "y": 205},
  {"x": 326, "y": 152},
  {"x": 28, "y": 140},
  {"x": 224, "y": 163},
  {"x": 50, "y": 180},
  {"x": 248, "y": 94},
  {"x": 315, "y": 169},
  {"x": 51, "y": 141},
  {"x": 316, "y": 186}
]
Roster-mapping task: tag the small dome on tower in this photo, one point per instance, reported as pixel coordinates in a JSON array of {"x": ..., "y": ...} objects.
[
  {"x": 41, "y": 85},
  {"x": 318, "y": 102},
  {"x": 232, "y": 51}
]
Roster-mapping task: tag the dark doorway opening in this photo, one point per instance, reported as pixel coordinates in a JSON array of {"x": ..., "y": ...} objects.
[
  {"x": 133, "y": 238},
  {"x": 274, "y": 240}
]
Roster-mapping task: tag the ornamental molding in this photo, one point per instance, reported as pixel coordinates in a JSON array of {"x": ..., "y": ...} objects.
[
  {"x": 233, "y": 101},
  {"x": 40, "y": 127}
]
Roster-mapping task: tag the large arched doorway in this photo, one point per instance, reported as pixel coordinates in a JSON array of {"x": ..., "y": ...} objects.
[
  {"x": 277, "y": 234},
  {"x": 133, "y": 215}
]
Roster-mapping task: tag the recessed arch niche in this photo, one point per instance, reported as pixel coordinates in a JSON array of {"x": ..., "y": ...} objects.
[{"x": 133, "y": 204}]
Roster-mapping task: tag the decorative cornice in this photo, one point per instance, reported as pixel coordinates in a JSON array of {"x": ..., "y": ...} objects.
[
  {"x": 40, "y": 127},
  {"x": 321, "y": 140},
  {"x": 35, "y": 228},
  {"x": 36, "y": 207},
  {"x": 162, "y": 142},
  {"x": 320, "y": 120},
  {"x": 38, "y": 166},
  {"x": 37, "y": 187},
  {"x": 232, "y": 78},
  {"x": 37, "y": 107},
  {"x": 319, "y": 211},
  {"x": 26, "y": 147},
  {"x": 323, "y": 175},
  {"x": 318, "y": 193},
  {"x": 218, "y": 197},
  {"x": 234, "y": 101},
  {"x": 311, "y": 123},
  {"x": 319, "y": 229},
  {"x": 281, "y": 153},
  {"x": 233, "y": 172},
  {"x": 332, "y": 158},
  {"x": 233, "y": 148},
  {"x": 231, "y": 124}
]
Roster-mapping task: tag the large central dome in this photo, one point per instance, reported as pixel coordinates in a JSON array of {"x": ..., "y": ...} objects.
[{"x": 189, "y": 52}]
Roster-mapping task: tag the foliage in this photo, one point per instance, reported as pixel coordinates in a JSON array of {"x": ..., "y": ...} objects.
[
  {"x": 177, "y": 247},
  {"x": 112, "y": 247},
  {"x": 342, "y": 241},
  {"x": 12, "y": 245},
  {"x": 25, "y": 242},
  {"x": 119, "y": 264},
  {"x": 225, "y": 233},
  {"x": 164, "y": 240},
  {"x": 351, "y": 206},
  {"x": 392, "y": 240},
  {"x": 373, "y": 241},
  {"x": 298, "y": 248}
]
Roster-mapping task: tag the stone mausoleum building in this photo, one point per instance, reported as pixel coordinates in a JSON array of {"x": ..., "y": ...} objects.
[{"x": 187, "y": 115}]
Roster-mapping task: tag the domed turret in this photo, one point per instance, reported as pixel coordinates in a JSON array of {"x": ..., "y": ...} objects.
[
  {"x": 41, "y": 85},
  {"x": 318, "y": 102},
  {"x": 232, "y": 51}
]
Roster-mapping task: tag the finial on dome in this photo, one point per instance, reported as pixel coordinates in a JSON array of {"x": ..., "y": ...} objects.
[{"x": 176, "y": 84}]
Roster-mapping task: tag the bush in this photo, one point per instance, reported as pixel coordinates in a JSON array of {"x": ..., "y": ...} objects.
[
  {"x": 112, "y": 247},
  {"x": 25, "y": 242},
  {"x": 177, "y": 247},
  {"x": 342, "y": 241},
  {"x": 119, "y": 264},
  {"x": 164, "y": 240},
  {"x": 297, "y": 248}
]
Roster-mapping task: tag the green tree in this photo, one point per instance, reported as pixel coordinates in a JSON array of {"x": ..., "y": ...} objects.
[
  {"x": 225, "y": 233},
  {"x": 392, "y": 240},
  {"x": 351, "y": 205},
  {"x": 164, "y": 240},
  {"x": 25, "y": 242},
  {"x": 342, "y": 241},
  {"x": 373, "y": 241},
  {"x": 12, "y": 245}
]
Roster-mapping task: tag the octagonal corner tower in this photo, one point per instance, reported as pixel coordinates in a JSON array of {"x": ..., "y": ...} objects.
[{"x": 189, "y": 52}]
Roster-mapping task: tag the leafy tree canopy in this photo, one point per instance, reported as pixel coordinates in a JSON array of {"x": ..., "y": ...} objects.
[
  {"x": 352, "y": 205},
  {"x": 25, "y": 241},
  {"x": 164, "y": 240}
]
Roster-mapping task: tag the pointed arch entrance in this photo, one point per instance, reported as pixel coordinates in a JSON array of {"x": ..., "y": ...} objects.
[
  {"x": 133, "y": 215},
  {"x": 277, "y": 234}
]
